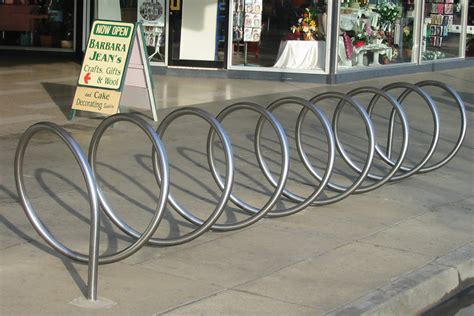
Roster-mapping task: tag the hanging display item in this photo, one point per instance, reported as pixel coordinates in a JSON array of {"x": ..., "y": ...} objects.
[
  {"x": 151, "y": 12},
  {"x": 238, "y": 20},
  {"x": 253, "y": 20},
  {"x": 152, "y": 15},
  {"x": 449, "y": 8}
]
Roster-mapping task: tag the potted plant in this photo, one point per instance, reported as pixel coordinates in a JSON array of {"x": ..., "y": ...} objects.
[
  {"x": 360, "y": 38},
  {"x": 359, "y": 42},
  {"x": 407, "y": 41},
  {"x": 389, "y": 14}
]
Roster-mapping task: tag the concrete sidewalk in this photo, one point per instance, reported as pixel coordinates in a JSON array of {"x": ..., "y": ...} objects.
[{"x": 365, "y": 254}]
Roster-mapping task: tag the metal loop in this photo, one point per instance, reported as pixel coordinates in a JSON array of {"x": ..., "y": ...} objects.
[
  {"x": 380, "y": 180},
  {"x": 302, "y": 202},
  {"x": 74, "y": 147},
  {"x": 257, "y": 214},
  {"x": 203, "y": 226},
  {"x": 162, "y": 160},
  {"x": 410, "y": 88},
  {"x": 344, "y": 192},
  {"x": 462, "y": 133}
]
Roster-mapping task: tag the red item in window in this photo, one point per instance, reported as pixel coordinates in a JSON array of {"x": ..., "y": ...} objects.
[{"x": 347, "y": 45}]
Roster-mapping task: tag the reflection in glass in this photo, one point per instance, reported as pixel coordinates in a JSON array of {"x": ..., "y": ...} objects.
[{"x": 46, "y": 24}]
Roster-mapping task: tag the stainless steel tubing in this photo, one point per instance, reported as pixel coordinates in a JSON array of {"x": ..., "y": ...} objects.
[
  {"x": 203, "y": 226},
  {"x": 408, "y": 89},
  {"x": 462, "y": 133},
  {"x": 31, "y": 213},
  {"x": 379, "y": 180},
  {"x": 344, "y": 192},
  {"x": 163, "y": 170},
  {"x": 256, "y": 213},
  {"x": 97, "y": 198},
  {"x": 302, "y": 202},
  {"x": 95, "y": 195}
]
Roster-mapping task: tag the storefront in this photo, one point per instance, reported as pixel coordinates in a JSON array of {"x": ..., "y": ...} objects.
[
  {"x": 238, "y": 35},
  {"x": 309, "y": 40}
]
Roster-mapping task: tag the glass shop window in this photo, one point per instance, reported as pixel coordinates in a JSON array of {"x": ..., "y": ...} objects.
[
  {"x": 442, "y": 29},
  {"x": 287, "y": 34},
  {"x": 36, "y": 23},
  {"x": 375, "y": 33},
  {"x": 151, "y": 12}
]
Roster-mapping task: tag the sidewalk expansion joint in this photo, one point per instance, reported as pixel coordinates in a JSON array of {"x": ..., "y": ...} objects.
[
  {"x": 392, "y": 248},
  {"x": 275, "y": 299},
  {"x": 189, "y": 303}
]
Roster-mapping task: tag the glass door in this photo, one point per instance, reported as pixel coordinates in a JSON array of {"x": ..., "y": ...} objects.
[{"x": 198, "y": 33}]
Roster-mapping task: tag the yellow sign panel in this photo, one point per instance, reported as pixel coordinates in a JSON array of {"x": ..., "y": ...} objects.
[
  {"x": 106, "y": 56},
  {"x": 96, "y": 100}
]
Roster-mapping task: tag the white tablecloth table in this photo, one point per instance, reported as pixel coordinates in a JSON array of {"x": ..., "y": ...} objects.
[{"x": 301, "y": 55}]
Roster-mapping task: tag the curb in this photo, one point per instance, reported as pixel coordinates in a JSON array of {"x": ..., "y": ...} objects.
[{"x": 419, "y": 290}]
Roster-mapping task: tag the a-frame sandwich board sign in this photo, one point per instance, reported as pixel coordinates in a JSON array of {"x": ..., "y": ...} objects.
[{"x": 116, "y": 56}]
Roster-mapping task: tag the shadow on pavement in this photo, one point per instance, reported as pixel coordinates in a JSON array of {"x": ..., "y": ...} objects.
[
  {"x": 61, "y": 94},
  {"x": 81, "y": 284},
  {"x": 9, "y": 193}
]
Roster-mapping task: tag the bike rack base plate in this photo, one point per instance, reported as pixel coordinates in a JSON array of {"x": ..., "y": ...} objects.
[{"x": 98, "y": 304}]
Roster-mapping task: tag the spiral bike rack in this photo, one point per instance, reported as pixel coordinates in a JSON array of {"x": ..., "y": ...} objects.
[{"x": 322, "y": 183}]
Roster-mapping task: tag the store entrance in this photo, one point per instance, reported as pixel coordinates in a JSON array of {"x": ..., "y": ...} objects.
[{"x": 198, "y": 33}]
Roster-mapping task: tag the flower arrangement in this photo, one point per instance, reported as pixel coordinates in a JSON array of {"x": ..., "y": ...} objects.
[
  {"x": 362, "y": 34},
  {"x": 389, "y": 13},
  {"x": 360, "y": 39},
  {"x": 375, "y": 36},
  {"x": 307, "y": 26},
  {"x": 408, "y": 36}
]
